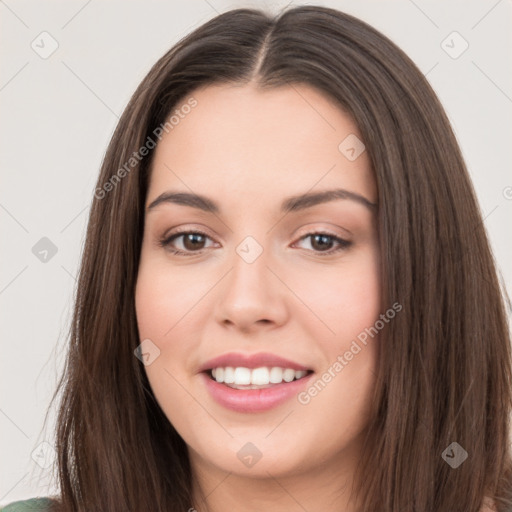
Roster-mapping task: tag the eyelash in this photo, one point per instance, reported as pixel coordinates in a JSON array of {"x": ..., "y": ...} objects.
[{"x": 166, "y": 241}]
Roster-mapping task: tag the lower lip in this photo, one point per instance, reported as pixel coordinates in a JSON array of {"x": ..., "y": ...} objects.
[{"x": 253, "y": 400}]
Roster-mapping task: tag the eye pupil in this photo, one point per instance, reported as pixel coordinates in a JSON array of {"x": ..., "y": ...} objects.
[
  {"x": 192, "y": 237},
  {"x": 326, "y": 241}
]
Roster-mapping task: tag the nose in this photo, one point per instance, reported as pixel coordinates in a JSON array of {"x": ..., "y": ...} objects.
[{"x": 251, "y": 296}]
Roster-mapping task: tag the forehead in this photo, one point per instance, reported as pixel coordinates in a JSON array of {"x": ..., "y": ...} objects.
[{"x": 243, "y": 143}]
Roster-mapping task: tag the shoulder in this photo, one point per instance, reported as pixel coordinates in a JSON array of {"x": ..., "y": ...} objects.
[
  {"x": 32, "y": 505},
  {"x": 488, "y": 505}
]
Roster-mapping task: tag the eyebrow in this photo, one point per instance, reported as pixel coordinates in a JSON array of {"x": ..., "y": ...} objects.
[{"x": 291, "y": 204}]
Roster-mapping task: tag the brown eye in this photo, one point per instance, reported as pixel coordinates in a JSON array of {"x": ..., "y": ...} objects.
[
  {"x": 322, "y": 243},
  {"x": 192, "y": 242}
]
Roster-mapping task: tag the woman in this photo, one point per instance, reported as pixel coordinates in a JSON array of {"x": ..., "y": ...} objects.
[{"x": 338, "y": 341}]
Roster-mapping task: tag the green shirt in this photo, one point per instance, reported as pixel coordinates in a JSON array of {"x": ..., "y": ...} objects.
[{"x": 32, "y": 505}]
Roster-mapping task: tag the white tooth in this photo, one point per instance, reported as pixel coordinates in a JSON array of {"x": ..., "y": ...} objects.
[
  {"x": 242, "y": 375},
  {"x": 260, "y": 376},
  {"x": 213, "y": 373},
  {"x": 219, "y": 374},
  {"x": 298, "y": 374},
  {"x": 229, "y": 375},
  {"x": 288, "y": 375},
  {"x": 276, "y": 375}
]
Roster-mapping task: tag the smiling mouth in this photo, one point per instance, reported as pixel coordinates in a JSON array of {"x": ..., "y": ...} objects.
[{"x": 255, "y": 378}]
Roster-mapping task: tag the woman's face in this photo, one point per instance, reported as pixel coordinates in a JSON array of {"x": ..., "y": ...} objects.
[{"x": 257, "y": 288}]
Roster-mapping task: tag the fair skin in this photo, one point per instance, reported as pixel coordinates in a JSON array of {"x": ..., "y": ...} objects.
[{"x": 248, "y": 150}]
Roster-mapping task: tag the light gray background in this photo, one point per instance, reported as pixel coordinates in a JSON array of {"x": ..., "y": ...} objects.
[{"x": 57, "y": 116}]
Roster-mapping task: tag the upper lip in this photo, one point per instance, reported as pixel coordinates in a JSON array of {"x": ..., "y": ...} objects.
[{"x": 251, "y": 361}]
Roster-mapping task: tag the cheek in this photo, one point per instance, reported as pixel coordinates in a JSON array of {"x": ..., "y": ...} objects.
[
  {"x": 168, "y": 303},
  {"x": 161, "y": 318},
  {"x": 339, "y": 400},
  {"x": 359, "y": 301},
  {"x": 150, "y": 298},
  {"x": 346, "y": 301},
  {"x": 151, "y": 307},
  {"x": 163, "y": 298}
]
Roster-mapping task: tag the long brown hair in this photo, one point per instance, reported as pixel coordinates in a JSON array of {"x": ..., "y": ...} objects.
[{"x": 444, "y": 372}]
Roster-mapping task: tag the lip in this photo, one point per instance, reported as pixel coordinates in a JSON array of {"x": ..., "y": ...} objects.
[
  {"x": 252, "y": 361},
  {"x": 253, "y": 400}
]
